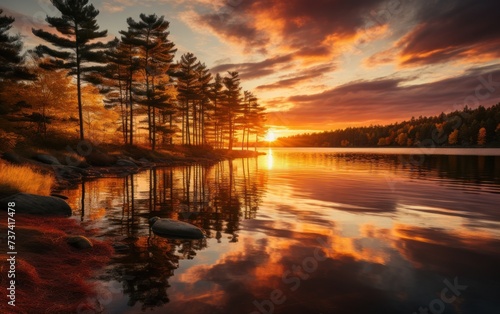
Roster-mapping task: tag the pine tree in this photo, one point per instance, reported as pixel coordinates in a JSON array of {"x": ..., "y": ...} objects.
[
  {"x": 115, "y": 80},
  {"x": 10, "y": 52},
  {"x": 150, "y": 36},
  {"x": 188, "y": 87},
  {"x": 204, "y": 79},
  {"x": 256, "y": 121},
  {"x": 232, "y": 104},
  {"x": 245, "y": 119},
  {"x": 76, "y": 46},
  {"x": 216, "y": 97},
  {"x": 128, "y": 57}
]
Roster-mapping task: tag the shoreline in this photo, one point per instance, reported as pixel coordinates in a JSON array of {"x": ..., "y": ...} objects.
[
  {"x": 36, "y": 232},
  {"x": 70, "y": 168}
]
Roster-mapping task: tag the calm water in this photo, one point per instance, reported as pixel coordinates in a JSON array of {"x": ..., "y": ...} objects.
[{"x": 305, "y": 231}]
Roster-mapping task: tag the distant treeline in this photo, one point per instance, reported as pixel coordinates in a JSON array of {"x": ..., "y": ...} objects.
[{"x": 468, "y": 127}]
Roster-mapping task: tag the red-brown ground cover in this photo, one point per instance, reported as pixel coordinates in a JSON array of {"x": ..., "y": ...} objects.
[{"x": 50, "y": 276}]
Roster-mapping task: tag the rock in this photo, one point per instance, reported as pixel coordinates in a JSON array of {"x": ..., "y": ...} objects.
[
  {"x": 68, "y": 172},
  {"x": 100, "y": 159},
  {"x": 175, "y": 229},
  {"x": 12, "y": 157},
  {"x": 143, "y": 162},
  {"x": 47, "y": 159},
  {"x": 37, "y": 205},
  {"x": 125, "y": 163},
  {"x": 79, "y": 242},
  {"x": 64, "y": 197}
]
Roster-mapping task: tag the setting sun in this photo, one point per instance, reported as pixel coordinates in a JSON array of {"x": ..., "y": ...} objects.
[{"x": 270, "y": 136}]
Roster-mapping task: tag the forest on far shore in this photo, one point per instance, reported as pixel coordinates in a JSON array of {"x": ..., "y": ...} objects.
[{"x": 466, "y": 128}]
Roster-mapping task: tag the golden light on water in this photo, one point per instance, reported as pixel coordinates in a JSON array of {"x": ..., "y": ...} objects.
[{"x": 270, "y": 159}]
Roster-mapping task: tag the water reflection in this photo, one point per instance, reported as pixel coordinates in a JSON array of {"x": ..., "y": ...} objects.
[
  {"x": 333, "y": 232},
  {"x": 215, "y": 198}
]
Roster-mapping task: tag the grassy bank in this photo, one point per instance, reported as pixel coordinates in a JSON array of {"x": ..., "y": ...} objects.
[
  {"x": 50, "y": 275},
  {"x": 15, "y": 179}
]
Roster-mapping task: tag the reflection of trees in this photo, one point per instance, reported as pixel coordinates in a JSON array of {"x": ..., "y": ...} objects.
[
  {"x": 214, "y": 198},
  {"x": 144, "y": 271},
  {"x": 467, "y": 169}
]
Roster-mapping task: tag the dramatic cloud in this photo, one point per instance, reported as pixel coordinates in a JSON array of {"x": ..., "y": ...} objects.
[
  {"x": 391, "y": 99},
  {"x": 317, "y": 64},
  {"x": 310, "y": 28},
  {"x": 115, "y": 6},
  {"x": 445, "y": 31},
  {"x": 250, "y": 70},
  {"x": 314, "y": 73}
]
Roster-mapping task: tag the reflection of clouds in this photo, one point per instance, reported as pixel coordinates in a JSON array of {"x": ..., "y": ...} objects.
[
  {"x": 387, "y": 250},
  {"x": 458, "y": 249},
  {"x": 253, "y": 271},
  {"x": 390, "y": 270}
]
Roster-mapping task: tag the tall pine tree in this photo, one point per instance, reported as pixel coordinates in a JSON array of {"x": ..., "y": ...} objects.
[
  {"x": 150, "y": 36},
  {"x": 188, "y": 86},
  {"x": 232, "y": 104},
  {"x": 76, "y": 46},
  {"x": 10, "y": 51}
]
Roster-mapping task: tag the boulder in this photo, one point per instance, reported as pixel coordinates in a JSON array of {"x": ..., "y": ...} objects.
[
  {"x": 64, "y": 197},
  {"x": 100, "y": 159},
  {"x": 79, "y": 242},
  {"x": 37, "y": 205},
  {"x": 171, "y": 228},
  {"x": 47, "y": 159},
  {"x": 126, "y": 163},
  {"x": 12, "y": 157}
]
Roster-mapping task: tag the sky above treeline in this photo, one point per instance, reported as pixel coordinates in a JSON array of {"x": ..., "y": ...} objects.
[{"x": 326, "y": 64}]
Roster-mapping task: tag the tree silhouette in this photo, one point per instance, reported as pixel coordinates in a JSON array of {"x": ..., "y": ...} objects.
[
  {"x": 466, "y": 127},
  {"x": 156, "y": 53},
  {"x": 216, "y": 96},
  {"x": 204, "y": 79},
  {"x": 232, "y": 104},
  {"x": 188, "y": 86},
  {"x": 10, "y": 52},
  {"x": 76, "y": 46},
  {"x": 116, "y": 81}
]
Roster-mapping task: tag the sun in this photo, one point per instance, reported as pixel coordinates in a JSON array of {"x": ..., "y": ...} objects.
[{"x": 270, "y": 136}]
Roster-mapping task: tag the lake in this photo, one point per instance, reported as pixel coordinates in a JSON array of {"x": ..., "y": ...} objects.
[{"x": 305, "y": 231}]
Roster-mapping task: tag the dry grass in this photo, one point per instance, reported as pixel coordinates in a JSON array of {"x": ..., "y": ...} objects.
[{"x": 14, "y": 179}]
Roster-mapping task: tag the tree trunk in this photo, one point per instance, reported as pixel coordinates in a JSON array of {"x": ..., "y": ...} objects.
[{"x": 79, "y": 92}]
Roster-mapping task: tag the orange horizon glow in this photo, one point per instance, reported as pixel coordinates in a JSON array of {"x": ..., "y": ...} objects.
[{"x": 270, "y": 136}]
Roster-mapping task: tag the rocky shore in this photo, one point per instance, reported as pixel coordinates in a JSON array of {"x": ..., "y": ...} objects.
[
  {"x": 110, "y": 161},
  {"x": 45, "y": 235}
]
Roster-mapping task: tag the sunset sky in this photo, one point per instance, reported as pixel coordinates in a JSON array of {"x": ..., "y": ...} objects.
[{"x": 327, "y": 64}]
